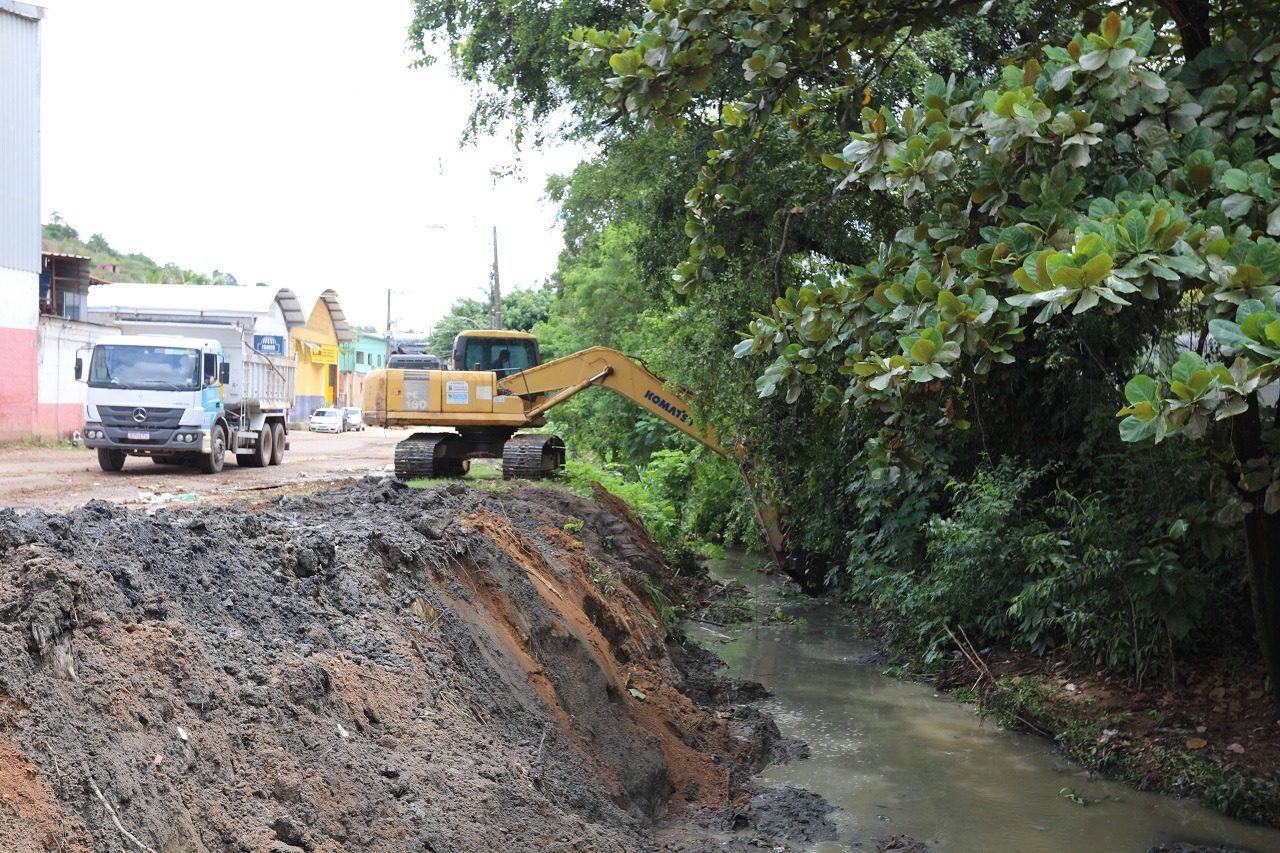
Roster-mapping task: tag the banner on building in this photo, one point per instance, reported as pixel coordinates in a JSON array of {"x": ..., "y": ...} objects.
[{"x": 324, "y": 354}]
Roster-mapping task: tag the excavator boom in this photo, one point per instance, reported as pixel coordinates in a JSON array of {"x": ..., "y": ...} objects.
[{"x": 607, "y": 368}]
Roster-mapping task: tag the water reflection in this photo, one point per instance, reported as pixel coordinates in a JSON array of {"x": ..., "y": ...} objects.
[{"x": 897, "y": 758}]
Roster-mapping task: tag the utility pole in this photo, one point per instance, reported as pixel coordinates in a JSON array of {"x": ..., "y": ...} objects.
[
  {"x": 387, "y": 356},
  {"x": 496, "y": 286}
]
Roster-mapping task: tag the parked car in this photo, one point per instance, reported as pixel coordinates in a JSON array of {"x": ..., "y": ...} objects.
[
  {"x": 326, "y": 420},
  {"x": 413, "y": 361},
  {"x": 352, "y": 418}
]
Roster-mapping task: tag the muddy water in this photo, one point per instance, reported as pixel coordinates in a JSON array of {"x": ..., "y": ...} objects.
[{"x": 898, "y": 758}]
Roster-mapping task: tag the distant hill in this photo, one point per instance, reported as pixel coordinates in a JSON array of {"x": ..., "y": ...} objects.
[{"x": 112, "y": 265}]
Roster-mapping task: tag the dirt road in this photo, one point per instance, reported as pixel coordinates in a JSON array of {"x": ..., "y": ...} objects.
[{"x": 57, "y": 478}]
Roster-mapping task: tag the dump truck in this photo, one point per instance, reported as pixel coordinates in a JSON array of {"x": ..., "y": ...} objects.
[
  {"x": 498, "y": 386},
  {"x": 186, "y": 393}
]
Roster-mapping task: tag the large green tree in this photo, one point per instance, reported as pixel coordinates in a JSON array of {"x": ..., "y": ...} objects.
[{"x": 1122, "y": 181}]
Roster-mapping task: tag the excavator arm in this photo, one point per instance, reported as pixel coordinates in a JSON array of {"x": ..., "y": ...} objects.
[
  {"x": 602, "y": 367},
  {"x": 606, "y": 368}
]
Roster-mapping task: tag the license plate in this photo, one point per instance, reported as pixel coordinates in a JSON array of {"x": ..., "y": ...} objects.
[{"x": 139, "y": 436}]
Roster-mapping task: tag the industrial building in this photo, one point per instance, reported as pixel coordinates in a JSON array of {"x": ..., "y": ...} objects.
[{"x": 19, "y": 216}]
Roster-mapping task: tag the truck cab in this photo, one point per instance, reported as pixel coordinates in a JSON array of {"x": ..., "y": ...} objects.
[
  {"x": 152, "y": 395},
  {"x": 188, "y": 398}
]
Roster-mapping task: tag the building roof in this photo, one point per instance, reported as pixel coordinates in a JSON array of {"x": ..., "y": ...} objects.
[
  {"x": 341, "y": 330},
  {"x": 197, "y": 302},
  {"x": 22, "y": 10}
]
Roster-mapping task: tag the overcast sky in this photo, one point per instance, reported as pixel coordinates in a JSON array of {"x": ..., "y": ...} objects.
[{"x": 286, "y": 142}]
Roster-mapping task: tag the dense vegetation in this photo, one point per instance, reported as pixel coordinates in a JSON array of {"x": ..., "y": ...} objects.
[
  {"x": 110, "y": 264},
  {"x": 946, "y": 247}
]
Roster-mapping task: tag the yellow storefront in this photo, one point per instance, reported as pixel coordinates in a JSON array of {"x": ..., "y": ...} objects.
[{"x": 316, "y": 344}]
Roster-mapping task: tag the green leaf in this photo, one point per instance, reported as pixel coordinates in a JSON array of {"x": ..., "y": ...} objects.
[
  {"x": 838, "y": 164},
  {"x": 1236, "y": 180},
  {"x": 1237, "y": 205},
  {"x": 1248, "y": 308},
  {"x": 1097, "y": 268},
  {"x": 1188, "y": 364},
  {"x": 1132, "y": 429},
  {"x": 1228, "y": 334},
  {"x": 1142, "y": 389},
  {"x": 923, "y": 350},
  {"x": 1088, "y": 299},
  {"x": 1068, "y": 277}
]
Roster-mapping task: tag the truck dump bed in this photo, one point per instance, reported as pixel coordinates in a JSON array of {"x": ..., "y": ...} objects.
[{"x": 267, "y": 380}]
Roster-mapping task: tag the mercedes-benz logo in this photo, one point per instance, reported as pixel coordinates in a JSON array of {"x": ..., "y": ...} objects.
[{"x": 139, "y": 415}]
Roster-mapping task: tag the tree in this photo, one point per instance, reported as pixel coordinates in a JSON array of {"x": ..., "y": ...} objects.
[
  {"x": 1123, "y": 181},
  {"x": 523, "y": 309},
  {"x": 514, "y": 55},
  {"x": 465, "y": 313},
  {"x": 57, "y": 228}
]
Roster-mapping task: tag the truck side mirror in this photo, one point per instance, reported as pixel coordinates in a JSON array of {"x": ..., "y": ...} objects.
[
  {"x": 224, "y": 373},
  {"x": 79, "y": 367}
]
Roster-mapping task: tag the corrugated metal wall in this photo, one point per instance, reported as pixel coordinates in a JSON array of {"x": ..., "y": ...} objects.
[{"x": 19, "y": 143}]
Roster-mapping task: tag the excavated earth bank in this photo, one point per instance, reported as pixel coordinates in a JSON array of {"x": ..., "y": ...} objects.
[{"x": 374, "y": 668}]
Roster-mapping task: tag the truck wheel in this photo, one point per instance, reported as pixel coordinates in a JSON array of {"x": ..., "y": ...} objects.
[
  {"x": 277, "y": 444},
  {"x": 110, "y": 460},
  {"x": 211, "y": 463},
  {"x": 260, "y": 455},
  {"x": 264, "y": 447}
]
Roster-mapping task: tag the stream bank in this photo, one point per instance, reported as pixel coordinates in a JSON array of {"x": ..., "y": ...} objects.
[{"x": 902, "y": 759}]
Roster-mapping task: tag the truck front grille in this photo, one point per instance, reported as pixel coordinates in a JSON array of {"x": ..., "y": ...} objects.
[{"x": 139, "y": 417}]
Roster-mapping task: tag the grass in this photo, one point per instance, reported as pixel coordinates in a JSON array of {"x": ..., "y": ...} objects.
[
  {"x": 39, "y": 443},
  {"x": 485, "y": 474}
]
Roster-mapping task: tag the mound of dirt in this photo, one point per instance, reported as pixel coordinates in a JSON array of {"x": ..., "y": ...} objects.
[{"x": 374, "y": 668}]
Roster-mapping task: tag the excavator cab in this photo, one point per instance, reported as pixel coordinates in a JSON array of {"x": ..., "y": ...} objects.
[{"x": 502, "y": 352}]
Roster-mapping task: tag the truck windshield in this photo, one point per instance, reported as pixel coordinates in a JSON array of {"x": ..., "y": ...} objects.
[{"x": 170, "y": 368}]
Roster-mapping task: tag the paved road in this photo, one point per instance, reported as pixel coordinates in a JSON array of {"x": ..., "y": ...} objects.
[{"x": 62, "y": 478}]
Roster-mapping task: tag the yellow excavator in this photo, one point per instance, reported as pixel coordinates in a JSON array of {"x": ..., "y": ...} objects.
[{"x": 499, "y": 386}]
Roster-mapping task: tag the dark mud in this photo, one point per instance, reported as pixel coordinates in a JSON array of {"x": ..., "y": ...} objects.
[{"x": 373, "y": 668}]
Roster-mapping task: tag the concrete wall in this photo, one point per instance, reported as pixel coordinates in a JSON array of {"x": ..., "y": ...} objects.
[
  {"x": 60, "y": 410},
  {"x": 19, "y": 297}
]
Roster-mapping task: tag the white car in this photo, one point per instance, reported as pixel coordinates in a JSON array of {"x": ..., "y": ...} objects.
[
  {"x": 352, "y": 418},
  {"x": 326, "y": 420}
]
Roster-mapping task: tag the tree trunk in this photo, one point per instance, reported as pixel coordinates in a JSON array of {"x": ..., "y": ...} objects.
[
  {"x": 1262, "y": 543},
  {"x": 1191, "y": 17}
]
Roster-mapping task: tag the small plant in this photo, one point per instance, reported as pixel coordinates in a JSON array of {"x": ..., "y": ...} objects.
[
  {"x": 574, "y": 525},
  {"x": 602, "y": 577},
  {"x": 1073, "y": 797}
]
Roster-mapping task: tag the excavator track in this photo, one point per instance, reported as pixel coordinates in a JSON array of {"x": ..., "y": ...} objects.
[
  {"x": 424, "y": 455},
  {"x": 532, "y": 456}
]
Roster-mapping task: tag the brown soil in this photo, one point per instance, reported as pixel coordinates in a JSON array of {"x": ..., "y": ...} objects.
[
  {"x": 1215, "y": 724},
  {"x": 372, "y": 668}
]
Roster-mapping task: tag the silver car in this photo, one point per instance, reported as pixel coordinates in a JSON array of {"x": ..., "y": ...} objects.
[
  {"x": 352, "y": 418},
  {"x": 326, "y": 420}
]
